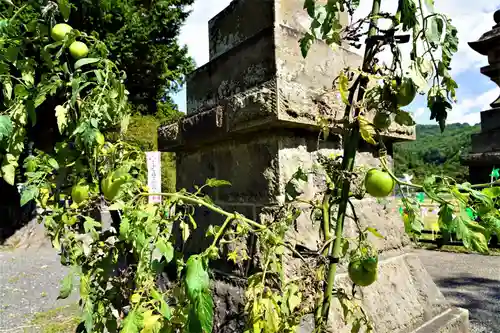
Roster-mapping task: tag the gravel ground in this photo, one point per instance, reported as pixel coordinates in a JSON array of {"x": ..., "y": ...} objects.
[
  {"x": 29, "y": 283},
  {"x": 469, "y": 281}
]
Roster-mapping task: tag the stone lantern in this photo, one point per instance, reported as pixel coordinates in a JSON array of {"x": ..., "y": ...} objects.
[{"x": 485, "y": 152}]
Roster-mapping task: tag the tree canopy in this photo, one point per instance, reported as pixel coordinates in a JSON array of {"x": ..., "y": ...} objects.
[
  {"x": 434, "y": 152},
  {"x": 142, "y": 36}
]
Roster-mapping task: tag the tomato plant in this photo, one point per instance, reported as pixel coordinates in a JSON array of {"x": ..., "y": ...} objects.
[{"x": 83, "y": 166}]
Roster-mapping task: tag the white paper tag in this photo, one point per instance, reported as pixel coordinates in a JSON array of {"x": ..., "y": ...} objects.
[{"x": 154, "y": 175}]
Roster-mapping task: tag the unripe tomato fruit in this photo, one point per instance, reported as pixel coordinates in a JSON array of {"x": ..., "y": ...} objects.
[
  {"x": 370, "y": 263},
  {"x": 59, "y": 31},
  {"x": 360, "y": 275},
  {"x": 382, "y": 120},
  {"x": 78, "y": 50},
  {"x": 406, "y": 93},
  {"x": 80, "y": 193},
  {"x": 378, "y": 183}
]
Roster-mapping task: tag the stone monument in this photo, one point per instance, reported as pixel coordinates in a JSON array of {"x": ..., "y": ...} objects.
[
  {"x": 252, "y": 120},
  {"x": 485, "y": 152}
]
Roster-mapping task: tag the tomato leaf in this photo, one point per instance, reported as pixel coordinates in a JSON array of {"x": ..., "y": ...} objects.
[
  {"x": 66, "y": 286},
  {"x": 151, "y": 322},
  {"x": 417, "y": 77},
  {"x": 305, "y": 44},
  {"x": 436, "y": 28},
  {"x": 374, "y": 232},
  {"x": 408, "y": 10},
  {"x": 404, "y": 118},
  {"x": 65, "y": 9},
  {"x": 212, "y": 182},
  {"x": 29, "y": 193},
  {"x": 185, "y": 230},
  {"x": 132, "y": 322},
  {"x": 201, "y": 313},
  {"x": 5, "y": 127},
  {"x": 86, "y": 61},
  {"x": 472, "y": 234},
  {"x": 367, "y": 130},
  {"x": 344, "y": 88},
  {"x": 197, "y": 279},
  {"x": 166, "y": 249},
  {"x": 61, "y": 116},
  {"x": 9, "y": 169}
]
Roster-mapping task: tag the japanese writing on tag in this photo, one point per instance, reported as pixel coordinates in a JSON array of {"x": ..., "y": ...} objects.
[{"x": 154, "y": 175}]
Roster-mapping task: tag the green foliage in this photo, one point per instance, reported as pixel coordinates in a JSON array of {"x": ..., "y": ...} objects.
[
  {"x": 435, "y": 153},
  {"x": 142, "y": 39},
  {"x": 118, "y": 265}
]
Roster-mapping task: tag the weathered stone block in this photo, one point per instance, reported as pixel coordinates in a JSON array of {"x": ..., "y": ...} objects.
[
  {"x": 194, "y": 168},
  {"x": 486, "y": 142},
  {"x": 249, "y": 64},
  {"x": 230, "y": 27},
  {"x": 250, "y": 166},
  {"x": 252, "y": 108},
  {"x": 490, "y": 120}
]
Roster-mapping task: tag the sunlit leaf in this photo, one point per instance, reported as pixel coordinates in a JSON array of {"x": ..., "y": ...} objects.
[
  {"x": 62, "y": 118},
  {"x": 64, "y": 8},
  {"x": 212, "y": 182},
  {"x": 366, "y": 130},
  {"x": 197, "y": 278},
  {"x": 29, "y": 193},
  {"x": 5, "y": 127},
  {"x": 66, "y": 286},
  {"x": 132, "y": 322},
  {"x": 166, "y": 249},
  {"x": 344, "y": 88},
  {"x": 86, "y": 61}
]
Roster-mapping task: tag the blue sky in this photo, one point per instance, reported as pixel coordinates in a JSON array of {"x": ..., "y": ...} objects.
[{"x": 472, "y": 19}]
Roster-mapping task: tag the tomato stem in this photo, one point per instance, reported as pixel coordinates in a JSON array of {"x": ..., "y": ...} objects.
[{"x": 351, "y": 143}]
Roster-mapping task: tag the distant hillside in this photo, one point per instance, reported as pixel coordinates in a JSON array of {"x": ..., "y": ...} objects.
[{"x": 434, "y": 152}]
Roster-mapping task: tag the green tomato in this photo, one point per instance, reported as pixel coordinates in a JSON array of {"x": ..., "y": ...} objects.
[
  {"x": 360, "y": 275},
  {"x": 78, "y": 50},
  {"x": 382, "y": 121},
  {"x": 378, "y": 183},
  {"x": 370, "y": 263},
  {"x": 80, "y": 193},
  {"x": 406, "y": 93},
  {"x": 59, "y": 31}
]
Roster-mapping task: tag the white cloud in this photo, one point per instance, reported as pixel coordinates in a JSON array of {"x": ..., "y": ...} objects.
[{"x": 467, "y": 111}]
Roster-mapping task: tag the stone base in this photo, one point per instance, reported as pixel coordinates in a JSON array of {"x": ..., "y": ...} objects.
[
  {"x": 404, "y": 299},
  {"x": 453, "y": 320}
]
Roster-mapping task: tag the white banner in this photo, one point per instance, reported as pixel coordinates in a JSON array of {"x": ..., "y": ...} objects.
[{"x": 153, "y": 159}]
